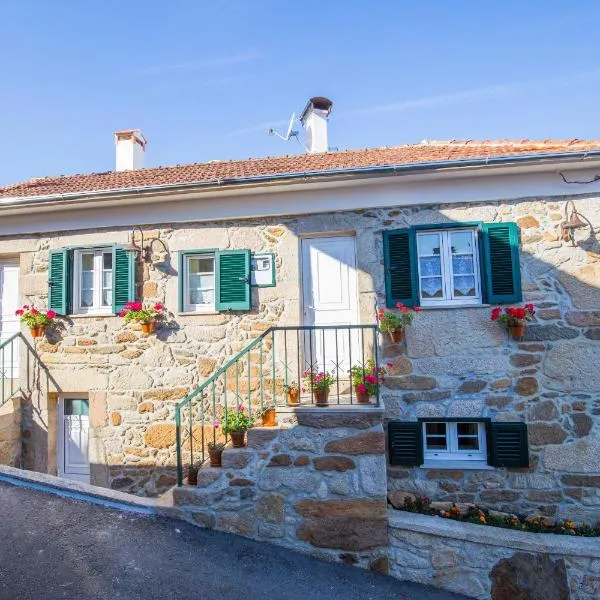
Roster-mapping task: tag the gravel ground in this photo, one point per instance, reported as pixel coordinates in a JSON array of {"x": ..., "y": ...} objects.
[{"x": 52, "y": 547}]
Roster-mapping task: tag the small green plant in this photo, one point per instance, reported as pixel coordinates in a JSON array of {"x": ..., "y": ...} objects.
[
  {"x": 137, "y": 312},
  {"x": 391, "y": 321},
  {"x": 236, "y": 420},
  {"x": 216, "y": 446},
  {"x": 291, "y": 387},
  {"x": 267, "y": 407},
  {"x": 34, "y": 317},
  {"x": 317, "y": 381},
  {"x": 367, "y": 378}
]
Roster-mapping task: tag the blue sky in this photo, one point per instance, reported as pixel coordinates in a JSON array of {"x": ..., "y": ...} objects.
[{"x": 203, "y": 80}]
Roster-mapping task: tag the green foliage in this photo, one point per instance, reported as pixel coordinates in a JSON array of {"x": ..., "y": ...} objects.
[{"x": 236, "y": 420}]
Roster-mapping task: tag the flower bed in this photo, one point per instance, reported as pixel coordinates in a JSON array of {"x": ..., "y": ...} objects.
[{"x": 472, "y": 513}]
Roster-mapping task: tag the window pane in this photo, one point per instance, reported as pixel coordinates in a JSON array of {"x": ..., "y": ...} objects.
[
  {"x": 468, "y": 443},
  {"x": 87, "y": 261},
  {"x": 87, "y": 298},
  {"x": 429, "y": 244},
  {"x": 430, "y": 265},
  {"x": 107, "y": 260},
  {"x": 461, "y": 242},
  {"x": 202, "y": 296},
  {"x": 431, "y": 287},
  {"x": 87, "y": 280},
  {"x": 202, "y": 265},
  {"x": 77, "y": 407},
  {"x": 435, "y": 428},
  {"x": 464, "y": 286},
  {"x": 467, "y": 428},
  {"x": 462, "y": 265}
]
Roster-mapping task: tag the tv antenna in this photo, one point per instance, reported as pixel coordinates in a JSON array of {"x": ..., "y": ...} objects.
[{"x": 290, "y": 133}]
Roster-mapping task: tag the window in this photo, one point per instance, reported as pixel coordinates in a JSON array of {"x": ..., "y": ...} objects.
[
  {"x": 199, "y": 283},
  {"x": 456, "y": 265},
  {"x": 448, "y": 267},
  {"x": 454, "y": 441},
  {"x": 93, "y": 281}
]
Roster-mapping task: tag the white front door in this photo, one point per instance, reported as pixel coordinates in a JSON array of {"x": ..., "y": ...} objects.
[
  {"x": 73, "y": 417},
  {"x": 330, "y": 297},
  {"x": 9, "y": 322}
]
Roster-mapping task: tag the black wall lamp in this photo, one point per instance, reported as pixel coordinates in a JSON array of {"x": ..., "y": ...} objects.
[
  {"x": 146, "y": 252},
  {"x": 574, "y": 220}
]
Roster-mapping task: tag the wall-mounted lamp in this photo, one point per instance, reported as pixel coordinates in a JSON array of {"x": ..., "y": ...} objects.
[
  {"x": 574, "y": 220},
  {"x": 146, "y": 252}
]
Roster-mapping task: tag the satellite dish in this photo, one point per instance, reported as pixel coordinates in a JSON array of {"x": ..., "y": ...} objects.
[{"x": 290, "y": 130}]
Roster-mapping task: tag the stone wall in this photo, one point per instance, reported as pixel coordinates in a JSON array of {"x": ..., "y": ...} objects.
[
  {"x": 455, "y": 362},
  {"x": 10, "y": 432},
  {"x": 491, "y": 563},
  {"x": 317, "y": 486}
]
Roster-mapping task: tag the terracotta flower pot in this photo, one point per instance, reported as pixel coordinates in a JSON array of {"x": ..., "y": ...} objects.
[
  {"x": 238, "y": 438},
  {"x": 362, "y": 398},
  {"x": 292, "y": 397},
  {"x": 215, "y": 457},
  {"x": 192, "y": 478},
  {"x": 321, "y": 397},
  {"x": 397, "y": 335},
  {"x": 517, "y": 331},
  {"x": 269, "y": 418},
  {"x": 148, "y": 326},
  {"x": 37, "y": 331}
]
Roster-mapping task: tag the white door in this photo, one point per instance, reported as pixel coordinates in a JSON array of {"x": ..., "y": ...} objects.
[
  {"x": 73, "y": 439},
  {"x": 9, "y": 322},
  {"x": 330, "y": 298}
]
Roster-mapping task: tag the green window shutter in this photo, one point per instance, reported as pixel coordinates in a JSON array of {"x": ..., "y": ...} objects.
[
  {"x": 232, "y": 283},
  {"x": 400, "y": 261},
  {"x": 181, "y": 280},
  {"x": 501, "y": 271},
  {"x": 59, "y": 281},
  {"x": 405, "y": 443},
  {"x": 508, "y": 445},
  {"x": 123, "y": 279}
]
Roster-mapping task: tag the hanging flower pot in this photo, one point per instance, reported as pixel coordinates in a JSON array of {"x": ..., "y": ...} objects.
[
  {"x": 397, "y": 335},
  {"x": 37, "y": 331},
  {"x": 148, "y": 326},
  {"x": 321, "y": 397},
  {"x": 517, "y": 331},
  {"x": 215, "y": 455},
  {"x": 238, "y": 438}
]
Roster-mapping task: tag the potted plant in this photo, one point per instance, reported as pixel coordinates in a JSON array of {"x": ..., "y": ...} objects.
[
  {"x": 514, "y": 318},
  {"x": 293, "y": 393},
  {"x": 366, "y": 380},
  {"x": 215, "y": 450},
  {"x": 394, "y": 323},
  {"x": 268, "y": 415},
  {"x": 192, "y": 477},
  {"x": 146, "y": 316},
  {"x": 36, "y": 320},
  {"x": 319, "y": 384},
  {"x": 236, "y": 423}
]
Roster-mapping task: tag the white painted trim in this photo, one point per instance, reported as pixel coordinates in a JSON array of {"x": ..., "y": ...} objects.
[
  {"x": 452, "y": 453},
  {"x": 460, "y": 185},
  {"x": 96, "y": 309},
  {"x": 198, "y": 308}
]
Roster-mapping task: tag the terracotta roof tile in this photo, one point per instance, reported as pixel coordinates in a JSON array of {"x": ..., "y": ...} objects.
[{"x": 426, "y": 151}]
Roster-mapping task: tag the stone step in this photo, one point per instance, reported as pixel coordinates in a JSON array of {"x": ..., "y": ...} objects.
[
  {"x": 237, "y": 458},
  {"x": 259, "y": 438}
]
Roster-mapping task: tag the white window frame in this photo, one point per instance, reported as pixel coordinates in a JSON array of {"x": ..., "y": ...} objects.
[
  {"x": 446, "y": 268},
  {"x": 198, "y": 308},
  {"x": 452, "y": 452},
  {"x": 96, "y": 307}
]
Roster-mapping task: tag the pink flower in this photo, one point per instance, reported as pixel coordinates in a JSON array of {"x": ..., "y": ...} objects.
[
  {"x": 51, "y": 314},
  {"x": 417, "y": 309},
  {"x": 26, "y": 306},
  {"x": 19, "y": 312},
  {"x": 371, "y": 379},
  {"x": 361, "y": 388},
  {"x": 389, "y": 365},
  {"x": 495, "y": 313},
  {"x": 158, "y": 306},
  {"x": 35, "y": 311},
  {"x": 399, "y": 305},
  {"x": 405, "y": 309},
  {"x": 242, "y": 408},
  {"x": 216, "y": 424}
]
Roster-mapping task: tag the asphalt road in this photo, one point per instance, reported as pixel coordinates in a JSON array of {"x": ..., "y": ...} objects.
[{"x": 56, "y": 548}]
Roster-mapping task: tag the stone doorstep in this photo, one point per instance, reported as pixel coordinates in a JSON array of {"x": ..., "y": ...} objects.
[
  {"x": 162, "y": 505},
  {"x": 550, "y": 543}
]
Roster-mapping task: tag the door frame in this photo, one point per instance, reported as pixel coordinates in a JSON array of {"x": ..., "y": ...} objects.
[
  {"x": 302, "y": 269},
  {"x": 60, "y": 438},
  {"x": 11, "y": 261}
]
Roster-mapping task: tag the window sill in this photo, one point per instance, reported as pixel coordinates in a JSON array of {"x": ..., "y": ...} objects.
[
  {"x": 92, "y": 315},
  {"x": 197, "y": 313},
  {"x": 441, "y": 306},
  {"x": 466, "y": 465}
]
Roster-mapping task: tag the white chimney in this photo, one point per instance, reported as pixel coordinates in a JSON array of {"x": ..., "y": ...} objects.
[
  {"x": 314, "y": 120},
  {"x": 131, "y": 149}
]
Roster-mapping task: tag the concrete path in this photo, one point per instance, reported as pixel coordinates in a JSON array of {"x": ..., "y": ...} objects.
[{"x": 58, "y": 548}]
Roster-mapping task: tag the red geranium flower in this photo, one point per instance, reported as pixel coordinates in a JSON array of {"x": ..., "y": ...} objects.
[
  {"x": 51, "y": 314},
  {"x": 417, "y": 308},
  {"x": 158, "y": 306},
  {"x": 19, "y": 312}
]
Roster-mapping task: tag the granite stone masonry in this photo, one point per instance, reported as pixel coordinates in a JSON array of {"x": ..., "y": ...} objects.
[
  {"x": 329, "y": 501},
  {"x": 489, "y": 563},
  {"x": 454, "y": 363}
]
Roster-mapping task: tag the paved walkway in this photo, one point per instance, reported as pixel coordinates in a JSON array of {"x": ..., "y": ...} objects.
[{"x": 56, "y": 548}]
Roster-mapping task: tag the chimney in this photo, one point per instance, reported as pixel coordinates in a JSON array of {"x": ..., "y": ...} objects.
[
  {"x": 314, "y": 120},
  {"x": 131, "y": 149}
]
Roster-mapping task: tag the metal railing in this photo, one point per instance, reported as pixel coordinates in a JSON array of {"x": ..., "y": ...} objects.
[
  {"x": 9, "y": 367},
  {"x": 262, "y": 374}
]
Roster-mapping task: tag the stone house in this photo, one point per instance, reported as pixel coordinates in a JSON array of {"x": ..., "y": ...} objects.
[{"x": 315, "y": 241}]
